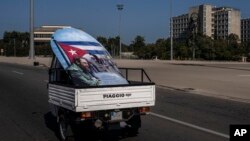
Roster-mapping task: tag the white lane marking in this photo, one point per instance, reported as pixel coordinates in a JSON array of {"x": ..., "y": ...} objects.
[
  {"x": 244, "y": 75},
  {"x": 17, "y": 72},
  {"x": 190, "y": 125}
]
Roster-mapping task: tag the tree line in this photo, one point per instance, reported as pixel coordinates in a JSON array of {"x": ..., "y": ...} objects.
[
  {"x": 16, "y": 43},
  {"x": 198, "y": 47}
]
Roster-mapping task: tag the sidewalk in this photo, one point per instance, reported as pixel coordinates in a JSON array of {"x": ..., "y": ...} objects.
[
  {"x": 228, "y": 80},
  {"x": 47, "y": 60},
  {"x": 44, "y": 61}
]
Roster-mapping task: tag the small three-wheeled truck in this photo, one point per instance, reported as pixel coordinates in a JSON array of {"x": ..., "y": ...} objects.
[
  {"x": 98, "y": 107},
  {"x": 106, "y": 106}
]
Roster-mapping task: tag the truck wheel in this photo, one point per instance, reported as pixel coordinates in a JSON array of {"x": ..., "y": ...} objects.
[
  {"x": 134, "y": 125},
  {"x": 133, "y": 132},
  {"x": 65, "y": 130}
]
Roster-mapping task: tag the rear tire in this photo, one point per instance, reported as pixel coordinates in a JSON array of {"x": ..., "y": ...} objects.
[
  {"x": 134, "y": 125},
  {"x": 133, "y": 132},
  {"x": 65, "y": 129}
]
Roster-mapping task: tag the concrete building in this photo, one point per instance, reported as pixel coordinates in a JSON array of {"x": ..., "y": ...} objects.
[
  {"x": 203, "y": 13},
  {"x": 245, "y": 30},
  {"x": 180, "y": 25},
  {"x": 43, "y": 34},
  {"x": 226, "y": 21},
  {"x": 209, "y": 20}
]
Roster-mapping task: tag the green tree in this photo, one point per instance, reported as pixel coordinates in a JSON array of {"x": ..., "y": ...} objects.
[
  {"x": 204, "y": 48},
  {"x": 2, "y": 47},
  {"x": 43, "y": 49},
  {"x": 139, "y": 46},
  {"x": 246, "y": 49},
  {"x": 16, "y": 43},
  {"x": 234, "y": 47},
  {"x": 182, "y": 51},
  {"x": 161, "y": 49},
  {"x": 221, "y": 51},
  {"x": 104, "y": 42},
  {"x": 113, "y": 43}
]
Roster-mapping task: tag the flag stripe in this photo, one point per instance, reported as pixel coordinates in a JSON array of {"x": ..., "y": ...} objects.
[
  {"x": 88, "y": 47},
  {"x": 91, "y": 50},
  {"x": 97, "y": 52},
  {"x": 83, "y": 43}
]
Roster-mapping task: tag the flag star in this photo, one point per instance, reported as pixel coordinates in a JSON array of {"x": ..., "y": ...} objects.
[{"x": 73, "y": 52}]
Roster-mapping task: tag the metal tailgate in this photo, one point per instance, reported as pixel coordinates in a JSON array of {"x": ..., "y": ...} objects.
[
  {"x": 93, "y": 99},
  {"x": 62, "y": 96}
]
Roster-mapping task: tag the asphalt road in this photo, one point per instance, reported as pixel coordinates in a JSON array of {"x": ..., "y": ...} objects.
[{"x": 177, "y": 116}]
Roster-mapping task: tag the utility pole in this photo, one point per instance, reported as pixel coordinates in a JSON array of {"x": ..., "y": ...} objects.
[
  {"x": 194, "y": 19},
  {"x": 14, "y": 41},
  {"x": 171, "y": 31},
  {"x": 32, "y": 50},
  {"x": 120, "y": 8}
]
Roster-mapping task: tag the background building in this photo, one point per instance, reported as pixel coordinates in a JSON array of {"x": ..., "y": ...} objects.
[
  {"x": 42, "y": 37},
  {"x": 245, "y": 30},
  {"x": 208, "y": 20},
  {"x": 43, "y": 34},
  {"x": 180, "y": 25},
  {"x": 226, "y": 21},
  {"x": 203, "y": 15}
]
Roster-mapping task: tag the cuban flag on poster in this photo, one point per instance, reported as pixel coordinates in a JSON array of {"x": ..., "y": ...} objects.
[
  {"x": 71, "y": 52},
  {"x": 82, "y": 49},
  {"x": 69, "y": 43}
]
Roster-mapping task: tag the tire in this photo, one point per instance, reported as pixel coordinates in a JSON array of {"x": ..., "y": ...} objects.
[
  {"x": 133, "y": 132},
  {"x": 134, "y": 125},
  {"x": 65, "y": 130}
]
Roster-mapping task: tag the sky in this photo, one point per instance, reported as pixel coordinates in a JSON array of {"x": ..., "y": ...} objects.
[{"x": 147, "y": 18}]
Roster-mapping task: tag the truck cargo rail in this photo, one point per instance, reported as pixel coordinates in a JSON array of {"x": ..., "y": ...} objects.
[{"x": 62, "y": 77}]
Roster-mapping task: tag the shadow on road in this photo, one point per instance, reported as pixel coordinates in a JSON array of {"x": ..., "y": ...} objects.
[{"x": 90, "y": 135}]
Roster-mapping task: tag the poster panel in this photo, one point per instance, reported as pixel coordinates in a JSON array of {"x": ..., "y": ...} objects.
[{"x": 85, "y": 59}]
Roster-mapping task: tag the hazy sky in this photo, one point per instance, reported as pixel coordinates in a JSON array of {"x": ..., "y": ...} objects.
[{"x": 148, "y": 18}]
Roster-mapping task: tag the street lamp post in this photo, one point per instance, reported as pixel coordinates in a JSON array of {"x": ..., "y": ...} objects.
[
  {"x": 120, "y": 8},
  {"x": 32, "y": 50},
  {"x": 171, "y": 31},
  {"x": 14, "y": 41},
  {"x": 194, "y": 19}
]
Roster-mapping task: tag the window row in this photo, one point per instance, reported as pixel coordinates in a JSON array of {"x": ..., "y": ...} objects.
[{"x": 42, "y": 35}]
